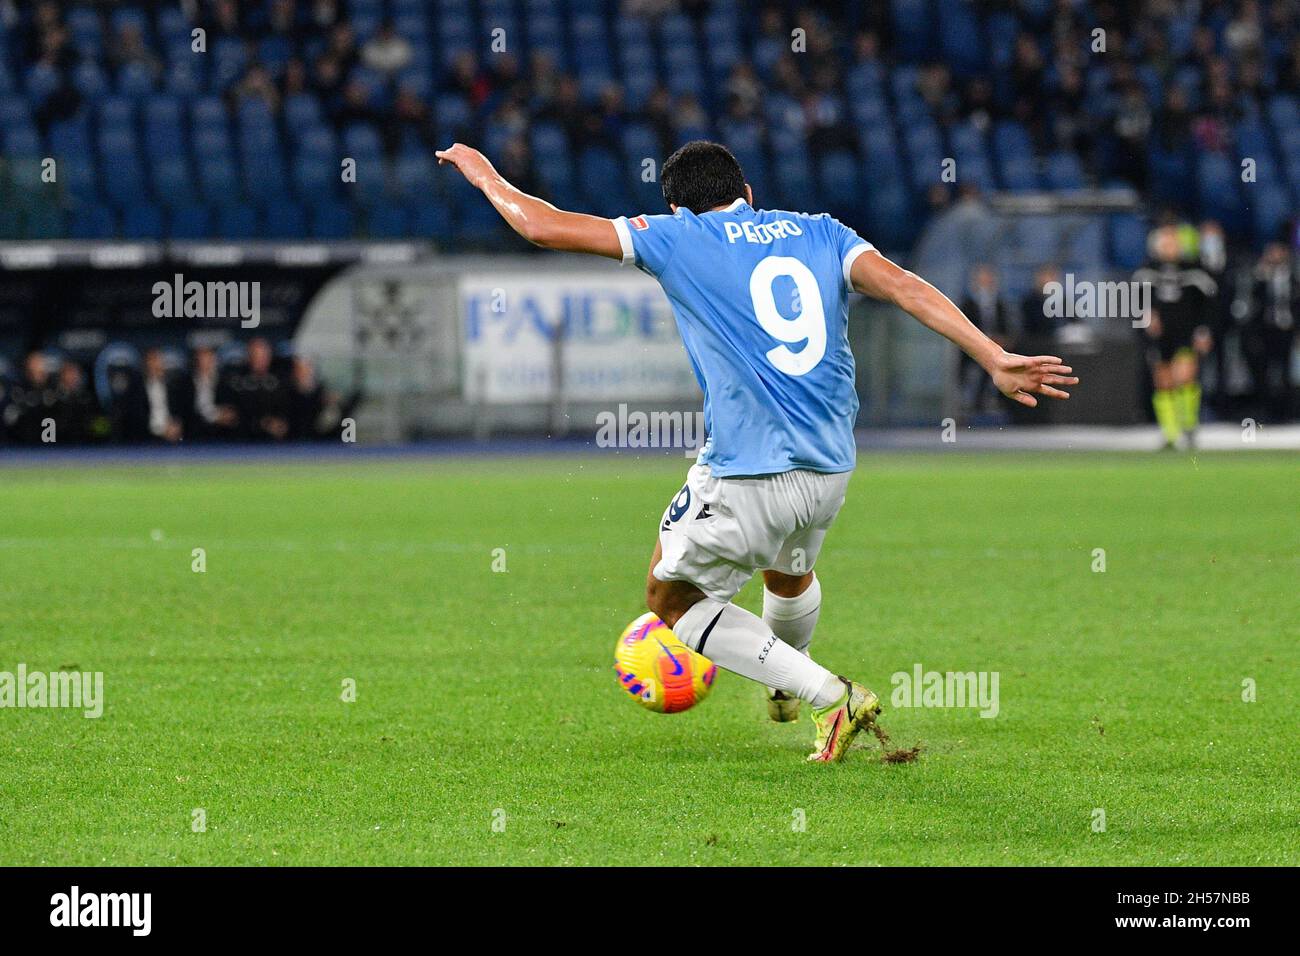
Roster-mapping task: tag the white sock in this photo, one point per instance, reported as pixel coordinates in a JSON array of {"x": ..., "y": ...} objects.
[
  {"x": 792, "y": 619},
  {"x": 739, "y": 641}
]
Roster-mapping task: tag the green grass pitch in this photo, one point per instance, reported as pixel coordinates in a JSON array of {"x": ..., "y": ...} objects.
[{"x": 489, "y": 698}]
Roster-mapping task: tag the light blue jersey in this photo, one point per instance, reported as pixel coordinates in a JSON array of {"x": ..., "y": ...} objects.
[{"x": 761, "y": 302}]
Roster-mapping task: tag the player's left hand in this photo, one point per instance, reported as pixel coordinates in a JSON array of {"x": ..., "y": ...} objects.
[
  {"x": 473, "y": 165},
  {"x": 1021, "y": 377}
]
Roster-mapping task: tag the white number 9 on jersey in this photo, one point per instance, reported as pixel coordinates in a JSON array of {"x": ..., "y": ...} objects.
[{"x": 808, "y": 326}]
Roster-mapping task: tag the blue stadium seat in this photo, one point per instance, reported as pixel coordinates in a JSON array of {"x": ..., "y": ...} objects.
[
  {"x": 318, "y": 143},
  {"x": 76, "y": 174},
  {"x": 267, "y": 180},
  {"x": 1085, "y": 245},
  {"x": 332, "y": 220},
  {"x": 548, "y": 140},
  {"x": 128, "y": 17},
  {"x": 1019, "y": 174},
  {"x": 301, "y": 111},
  {"x": 1128, "y": 240},
  {"x": 914, "y": 28},
  {"x": 92, "y": 221},
  {"x": 1064, "y": 171},
  {"x": 163, "y": 120},
  {"x": 389, "y": 221},
  {"x": 212, "y": 144},
  {"x": 865, "y": 79},
  {"x": 135, "y": 79},
  {"x": 558, "y": 182},
  {"x": 1011, "y": 140},
  {"x": 416, "y": 81},
  {"x": 186, "y": 78},
  {"x": 360, "y": 141},
  {"x": 890, "y": 219},
  {"x": 218, "y": 180},
  {"x": 256, "y": 140},
  {"x": 1283, "y": 112},
  {"x": 42, "y": 80},
  {"x": 84, "y": 26},
  {"x": 414, "y": 177},
  {"x": 172, "y": 24},
  {"x": 283, "y": 219},
  {"x": 640, "y": 142},
  {"x": 89, "y": 80},
  {"x": 604, "y": 179},
  {"x": 72, "y": 138},
  {"x": 190, "y": 222},
  {"x": 1271, "y": 211},
  {"x": 142, "y": 221},
  {"x": 237, "y": 221},
  {"x": 115, "y": 111},
  {"x": 14, "y": 112},
  {"x": 173, "y": 182},
  {"x": 961, "y": 38},
  {"x": 431, "y": 221},
  {"x": 453, "y": 114},
  {"x": 11, "y": 222},
  {"x": 837, "y": 178},
  {"x": 794, "y": 183},
  {"x": 43, "y": 221},
  {"x": 123, "y": 182},
  {"x": 22, "y": 141},
  {"x": 314, "y": 179},
  {"x": 229, "y": 60}
]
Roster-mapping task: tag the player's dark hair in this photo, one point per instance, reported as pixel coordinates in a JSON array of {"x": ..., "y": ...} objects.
[{"x": 702, "y": 175}]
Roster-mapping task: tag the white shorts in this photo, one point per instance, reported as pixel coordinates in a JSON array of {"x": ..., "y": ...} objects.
[{"x": 716, "y": 532}]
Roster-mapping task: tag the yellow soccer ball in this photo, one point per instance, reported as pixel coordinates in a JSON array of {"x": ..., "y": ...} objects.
[{"x": 660, "y": 672}]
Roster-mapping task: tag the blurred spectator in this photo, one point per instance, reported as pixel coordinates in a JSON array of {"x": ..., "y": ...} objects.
[
  {"x": 315, "y": 412},
  {"x": 1212, "y": 250},
  {"x": 129, "y": 49},
  {"x": 282, "y": 18},
  {"x": 1035, "y": 322},
  {"x": 410, "y": 115},
  {"x": 31, "y": 402},
  {"x": 257, "y": 84},
  {"x": 517, "y": 166},
  {"x": 221, "y": 19},
  {"x": 75, "y": 410},
  {"x": 1271, "y": 333},
  {"x": 387, "y": 51},
  {"x": 210, "y": 413},
  {"x": 986, "y": 308},
  {"x": 306, "y": 400},
  {"x": 566, "y": 109},
  {"x": 342, "y": 46},
  {"x": 467, "y": 79},
  {"x": 327, "y": 79},
  {"x": 155, "y": 405},
  {"x": 355, "y": 106},
  {"x": 260, "y": 397}
]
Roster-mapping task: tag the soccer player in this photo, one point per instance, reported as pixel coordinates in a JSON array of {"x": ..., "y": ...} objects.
[{"x": 760, "y": 298}]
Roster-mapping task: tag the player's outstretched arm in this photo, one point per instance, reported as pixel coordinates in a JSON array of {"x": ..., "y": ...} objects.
[
  {"x": 1019, "y": 377},
  {"x": 535, "y": 219}
]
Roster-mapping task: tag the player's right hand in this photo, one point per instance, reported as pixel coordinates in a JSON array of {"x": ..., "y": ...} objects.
[{"x": 1021, "y": 377}]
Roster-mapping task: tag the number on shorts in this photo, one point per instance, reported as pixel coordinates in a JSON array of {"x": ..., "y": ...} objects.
[{"x": 808, "y": 326}]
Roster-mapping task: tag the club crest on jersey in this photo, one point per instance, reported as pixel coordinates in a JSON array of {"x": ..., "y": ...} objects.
[{"x": 639, "y": 223}]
